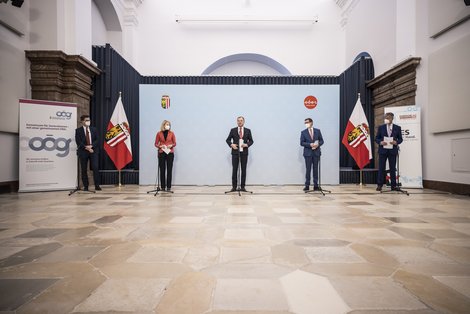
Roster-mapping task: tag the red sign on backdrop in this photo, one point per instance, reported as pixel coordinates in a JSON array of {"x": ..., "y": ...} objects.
[{"x": 310, "y": 102}]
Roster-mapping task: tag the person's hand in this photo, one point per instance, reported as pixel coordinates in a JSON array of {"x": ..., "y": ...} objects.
[
  {"x": 91, "y": 150},
  {"x": 383, "y": 143},
  {"x": 163, "y": 146},
  {"x": 234, "y": 146},
  {"x": 244, "y": 145},
  {"x": 394, "y": 142},
  {"x": 312, "y": 145},
  {"x": 170, "y": 146}
]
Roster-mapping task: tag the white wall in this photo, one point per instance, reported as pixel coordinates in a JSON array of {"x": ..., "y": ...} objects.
[
  {"x": 437, "y": 163},
  {"x": 371, "y": 27},
  {"x": 391, "y": 31},
  {"x": 169, "y": 48}
]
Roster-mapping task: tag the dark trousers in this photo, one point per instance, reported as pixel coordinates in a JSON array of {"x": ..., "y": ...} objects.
[
  {"x": 93, "y": 157},
  {"x": 235, "y": 159},
  {"x": 392, "y": 162},
  {"x": 165, "y": 162},
  {"x": 309, "y": 162}
]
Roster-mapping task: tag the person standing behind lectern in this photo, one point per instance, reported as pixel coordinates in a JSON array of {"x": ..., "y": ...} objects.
[
  {"x": 388, "y": 138},
  {"x": 311, "y": 139},
  {"x": 165, "y": 141},
  {"x": 86, "y": 138},
  {"x": 239, "y": 136}
]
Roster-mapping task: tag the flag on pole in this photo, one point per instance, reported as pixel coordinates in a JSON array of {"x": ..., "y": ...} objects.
[
  {"x": 117, "y": 142},
  {"x": 356, "y": 137}
]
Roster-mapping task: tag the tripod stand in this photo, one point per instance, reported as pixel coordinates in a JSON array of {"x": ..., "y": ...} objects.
[
  {"x": 77, "y": 187},
  {"x": 397, "y": 188},
  {"x": 157, "y": 188},
  {"x": 320, "y": 189},
  {"x": 239, "y": 174}
]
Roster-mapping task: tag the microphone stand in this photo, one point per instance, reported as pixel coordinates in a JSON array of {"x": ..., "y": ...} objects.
[
  {"x": 157, "y": 188},
  {"x": 397, "y": 188},
  {"x": 77, "y": 187},
  {"x": 320, "y": 189}
]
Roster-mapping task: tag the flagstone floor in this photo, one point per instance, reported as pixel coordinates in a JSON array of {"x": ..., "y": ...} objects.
[{"x": 277, "y": 251}]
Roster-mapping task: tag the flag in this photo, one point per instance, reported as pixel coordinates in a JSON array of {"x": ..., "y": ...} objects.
[
  {"x": 356, "y": 137},
  {"x": 117, "y": 143}
]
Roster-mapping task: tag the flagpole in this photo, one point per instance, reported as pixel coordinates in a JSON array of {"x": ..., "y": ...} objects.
[{"x": 119, "y": 174}]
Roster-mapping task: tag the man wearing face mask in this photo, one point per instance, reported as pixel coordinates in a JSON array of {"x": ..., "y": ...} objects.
[
  {"x": 165, "y": 141},
  {"x": 237, "y": 136},
  {"x": 86, "y": 138},
  {"x": 311, "y": 140},
  {"x": 388, "y": 138}
]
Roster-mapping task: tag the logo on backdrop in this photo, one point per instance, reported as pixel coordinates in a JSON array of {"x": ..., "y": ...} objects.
[
  {"x": 62, "y": 115},
  {"x": 358, "y": 135},
  {"x": 310, "y": 102},
  {"x": 165, "y": 102},
  {"x": 49, "y": 144},
  {"x": 117, "y": 134}
]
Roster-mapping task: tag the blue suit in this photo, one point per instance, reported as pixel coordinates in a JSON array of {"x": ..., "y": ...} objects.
[
  {"x": 390, "y": 154},
  {"x": 84, "y": 155},
  {"x": 311, "y": 156}
]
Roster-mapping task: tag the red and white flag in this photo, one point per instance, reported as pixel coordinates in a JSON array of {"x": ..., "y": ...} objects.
[
  {"x": 356, "y": 137},
  {"x": 117, "y": 141}
]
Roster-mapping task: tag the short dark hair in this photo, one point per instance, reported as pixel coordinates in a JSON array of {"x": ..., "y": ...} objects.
[
  {"x": 84, "y": 116},
  {"x": 390, "y": 114},
  {"x": 309, "y": 119},
  {"x": 241, "y": 117}
]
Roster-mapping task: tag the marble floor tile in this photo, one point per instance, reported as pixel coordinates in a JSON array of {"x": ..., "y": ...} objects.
[
  {"x": 71, "y": 254},
  {"x": 16, "y": 292},
  {"x": 249, "y": 294},
  {"x": 245, "y": 254},
  {"x": 416, "y": 255},
  {"x": 244, "y": 234},
  {"x": 333, "y": 255},
  {"x": 125, "y": 295},
  {"x": 308, "y": 293},
  {"x": 42, "y": 233},
  {"x": 240, "y": 210},
  {"x": 459, "y": 284},
  {"x": 286, "y": 210},
  {"x": 375, "y": 293},
  {"x": 150, "y": 254},
  {"x": 186, "y": 220},
  {"x": 242, "y": 220},
  {"x": 30, "y": 254}
]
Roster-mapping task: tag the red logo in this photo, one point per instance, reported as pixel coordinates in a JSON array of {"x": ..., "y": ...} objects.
[{"x": 310, "y": 102}]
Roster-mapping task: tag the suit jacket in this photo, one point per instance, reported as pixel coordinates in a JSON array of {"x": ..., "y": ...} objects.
[
  {"x": 306, "y": 140},
  {"x": 396, "y": 134},
  {"x": 80, "y": 139},
  {"x": 170, "y": 140},
  {"x": 234, "y": 137}
]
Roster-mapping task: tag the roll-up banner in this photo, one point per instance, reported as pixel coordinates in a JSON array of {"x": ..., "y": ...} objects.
[
  {"x": 410, "y": 160},
  {"x": 47, "y": 157}
]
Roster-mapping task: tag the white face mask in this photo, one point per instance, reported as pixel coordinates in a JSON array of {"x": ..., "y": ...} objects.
[
  {"x": 307, "y": 125},
  {"x": 87, "y": 123},
  {"x": 386, "y": 121},
  {"x": 167, "y": 127}
]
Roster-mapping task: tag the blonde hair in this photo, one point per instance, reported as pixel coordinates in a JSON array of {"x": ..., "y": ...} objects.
[{"x": 162, "y": 127}]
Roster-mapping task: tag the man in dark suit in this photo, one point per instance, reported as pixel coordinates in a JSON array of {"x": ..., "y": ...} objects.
[
  {"x": 393, "y": 131},
  {"x": 88, "y": 149},
  {"x": 311, "y": 139},
  {"x": 239, "y": 154}
]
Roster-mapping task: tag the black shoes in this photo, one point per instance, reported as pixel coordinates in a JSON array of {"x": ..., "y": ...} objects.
[
  {"x": 379, "y": 188},
  {"x": 233, "y": 190},
  {"x": 97, "y": 188},
  {"x": 242, "y": 189},
  {"x": 85, "y": 188},
  {"x": 305, "y": 189},
  {"x": 168, "y": 189},
  {"x": 316, "y": 188}
]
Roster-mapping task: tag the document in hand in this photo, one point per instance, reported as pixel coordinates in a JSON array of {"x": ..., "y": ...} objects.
[
  {"x": 166, "y": 150},
  {"x": 240, "y": 145},
  {"x": 389, "y": 142}
]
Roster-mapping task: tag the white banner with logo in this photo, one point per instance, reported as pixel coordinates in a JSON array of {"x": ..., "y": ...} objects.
[
  {"x": 47, "y": 157},
  {"x": 410, "y": 161}
]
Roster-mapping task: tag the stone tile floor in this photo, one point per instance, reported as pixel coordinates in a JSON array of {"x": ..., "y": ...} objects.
[{"x": 198, "y": 250}]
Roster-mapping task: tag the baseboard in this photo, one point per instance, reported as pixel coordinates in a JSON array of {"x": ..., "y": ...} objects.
[
  {"x": 454, "y": 188},
  {"x": 9, "y": 186}
]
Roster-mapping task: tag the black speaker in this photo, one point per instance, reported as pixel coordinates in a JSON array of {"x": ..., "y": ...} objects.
[
  {"x": 467, "y": 2},
  {"x": 17, "y": 3}
]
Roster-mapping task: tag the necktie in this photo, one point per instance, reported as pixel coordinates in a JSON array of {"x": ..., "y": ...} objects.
[
  {"x": 87, "y": 135},
  {"x": 389, "y": 130},
  {"x": 240, "y": 133},
  {"x": 311, "y": 133}
]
